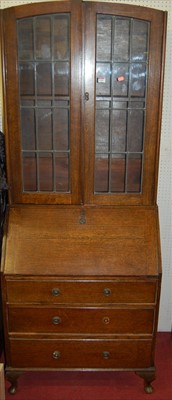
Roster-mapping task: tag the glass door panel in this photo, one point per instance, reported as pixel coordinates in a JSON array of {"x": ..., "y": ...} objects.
[
  {"x": 29, "y": 164},
  {"x": 44, "y": 78},
  {"x": 121, "y": 39},
  {"x": 139, "y": 41},
  {"x": 27, "y": 84},
  {"x": 118, "y": 130},
  {"x": 61, "y": 38},
  {"x": 42, "y": 28},
  {"x": 61, "y": 127},
  {"x": 138, "y": 80},
  {"x": 25, "y": 44},
  {"x": 62, "y": 172},
  {"x": 104, "y": 32},
  {"x": 44, "y": 129},
  {"x": 121, "y": 81},
  {"x": 28, "y": 128},
  {"x": 101, "y": 173},
  {"x": 118, "y": 173},
  {"x": 103, "y": 74},
  {"x": 45, "y": 170},
  {"x": 61, "y": 78},
  {"x": 134, "y": 172}
]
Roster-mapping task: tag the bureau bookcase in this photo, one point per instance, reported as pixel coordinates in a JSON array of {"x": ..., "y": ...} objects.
[{"x": 81, "y": 262}]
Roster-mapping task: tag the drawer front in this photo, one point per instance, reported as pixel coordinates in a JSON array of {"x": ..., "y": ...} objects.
[
  {"x": 80, "y": 354},
  {"x": 61, "y": 292},
  {"x": 81, "y": 320}
]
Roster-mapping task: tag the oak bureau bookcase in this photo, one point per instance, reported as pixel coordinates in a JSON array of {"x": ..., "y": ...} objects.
[{"x": 81, "y": 264}]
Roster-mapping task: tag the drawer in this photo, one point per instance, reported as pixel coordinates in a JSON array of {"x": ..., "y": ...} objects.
[
  {"x": 81, "y": 320},
  {"x": 81, "y": 292},
  {"x": 80, "y": 353}
]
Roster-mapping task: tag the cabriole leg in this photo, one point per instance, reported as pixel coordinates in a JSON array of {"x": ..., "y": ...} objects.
[
  {"x": 12, "y": 377},
  {"x": 149, "y": 377}
]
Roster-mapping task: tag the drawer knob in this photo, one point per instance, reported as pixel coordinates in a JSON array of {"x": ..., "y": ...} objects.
[
  {"x": 106, "y": 320},
  {"x": 107, "y": 292},
  {"x": 106, "y": 355},
  {"x": 56, "y": 292},
  {"x": 56, "y": 355},
  {"x": 56, "y": 320}
]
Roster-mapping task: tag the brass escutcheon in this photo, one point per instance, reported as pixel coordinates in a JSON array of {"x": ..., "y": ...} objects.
[{"x": 82, "y": 219}]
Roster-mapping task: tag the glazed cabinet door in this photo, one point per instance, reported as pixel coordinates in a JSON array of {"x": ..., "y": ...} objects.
[
  {"x": 107, "y": 151},
  {"x": 123, "y": 78},
  {"x": 43, "y": 83}
]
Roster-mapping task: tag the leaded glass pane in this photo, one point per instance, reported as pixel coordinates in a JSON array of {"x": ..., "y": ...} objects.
[
  {"x": 44, "y": 79},
  {"x": 121, "y": 80}
]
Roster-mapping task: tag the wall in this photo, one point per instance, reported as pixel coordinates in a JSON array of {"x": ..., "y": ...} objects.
[{"x": 165, "y": 167}]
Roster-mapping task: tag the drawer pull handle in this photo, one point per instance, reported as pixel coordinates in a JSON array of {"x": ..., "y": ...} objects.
[
  {"x": 107, "y": 292},
  {"x": 106, "y": 320},
  {"x": 56, "y": 292},
  {"x": 56, "y": 320},
  {"x": 56, "y": 355},
  {"x": 106, "y": 355}
]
